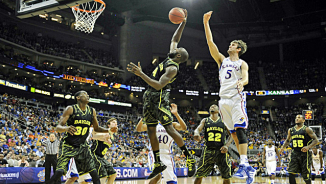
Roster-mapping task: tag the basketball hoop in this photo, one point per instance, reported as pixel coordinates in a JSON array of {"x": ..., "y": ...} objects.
[{"x": 86, "y": 15}]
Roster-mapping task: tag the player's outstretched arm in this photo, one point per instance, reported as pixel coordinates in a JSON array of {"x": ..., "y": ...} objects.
[
  {"x": 96, "y": 127},
  {"x": 104, "y": 136},
  {"x": 178, "y": 33},
  {"x": 215, "y": 53},
  {"x": 199, "y": 129},
  {"x": 224, "y": 148},
  {"x": 181, "y": 125},
  {"x": 170, "y": 72},
  {"x": 140, "y": 126},
  {"x": 63, "y": 120},
  {"x": 313, "y": 143},
  {"x": 287, "y": 141}
]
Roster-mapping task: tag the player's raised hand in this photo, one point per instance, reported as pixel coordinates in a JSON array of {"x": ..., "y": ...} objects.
[
  {"x": 131, "y": 67},
  {"x": 174, "y": 108},
  {"x": 207, "y": 16},
  {"x": 71, "y": 130},
  {"x": 186, "y": 15},
  {"x": 305, "y": 149},
  {"x": 197, "y": 138},
  {"x": 224, "y": 149}
]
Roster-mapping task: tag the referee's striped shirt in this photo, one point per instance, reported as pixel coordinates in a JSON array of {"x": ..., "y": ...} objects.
[{"x": 52, "y": 148}]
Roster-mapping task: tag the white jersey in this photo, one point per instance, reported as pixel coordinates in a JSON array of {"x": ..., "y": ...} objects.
[
  {"x": 164, "y": 139},
  {"x": 316, "y": 159},
  {"x": 229, "y": 74},
  {"x": 270, "y": 153}
]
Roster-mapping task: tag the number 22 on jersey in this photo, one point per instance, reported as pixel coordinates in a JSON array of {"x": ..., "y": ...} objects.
[{"x": 217, "y": 137}]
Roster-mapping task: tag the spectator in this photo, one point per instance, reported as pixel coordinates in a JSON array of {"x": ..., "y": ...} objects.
[
  {"x": 3, "y": 162},
  {"x": 40, "y": 162},
  {"x": 22, "y": 162}
]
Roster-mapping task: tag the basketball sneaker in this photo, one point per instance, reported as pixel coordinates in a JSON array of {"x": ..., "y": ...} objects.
[
  {"x": 158, "y": 168},
  {"x": 241, "y": 173},
  {"x": 251, "y": 173},
  {"x": 191, "y": 164}
]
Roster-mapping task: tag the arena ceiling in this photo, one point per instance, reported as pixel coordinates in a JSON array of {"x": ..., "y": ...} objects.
[{"x": 260, "y": 18}]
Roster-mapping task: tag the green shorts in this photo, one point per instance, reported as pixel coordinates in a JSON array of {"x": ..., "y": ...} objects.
[
  {"x": 300, "y": 163},
  {"x": 83, "y": 157},
  {"x": 210, "y": 158},
  {"x": 104, "y": 168},
  {"x": 157, "y": 108}
]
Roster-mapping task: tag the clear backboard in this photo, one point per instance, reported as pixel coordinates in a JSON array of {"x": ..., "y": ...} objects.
[{"x": 318, "y": 131}]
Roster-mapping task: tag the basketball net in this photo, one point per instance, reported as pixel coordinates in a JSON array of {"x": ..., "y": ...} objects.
[{"x": 86, "y": 15}]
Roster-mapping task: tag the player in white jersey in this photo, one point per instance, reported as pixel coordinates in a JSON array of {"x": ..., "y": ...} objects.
[
  {"x": 233, "y": 75},
  {"x": 317, "y": 166},
  {"x": 165, "y": 144},
  {"x": 269, "y": 159}
]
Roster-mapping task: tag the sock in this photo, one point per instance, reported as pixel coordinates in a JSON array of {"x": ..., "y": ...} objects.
[
  {"x": 272, "y": 181},
  {"x": 185, "y": 150},
  {"x": 157, "y": 156},
  {"x": 292, "y": 179},
  {"x": 244, "y": 160},
  {"x": 312, "y": 182},
  {"x": 323, "y": 182},
  {"x": 57, "y": 175},
  {"x": 95, "y": 177}
]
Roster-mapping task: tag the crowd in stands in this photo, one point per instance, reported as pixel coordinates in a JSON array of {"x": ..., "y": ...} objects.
[
  {"x": 303, "y": 74},
  {"x": 21, "y": 126},
  {"x": 52, "y": 46}
]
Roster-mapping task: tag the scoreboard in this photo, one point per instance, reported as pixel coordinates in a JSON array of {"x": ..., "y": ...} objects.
[{"x": 308, "y": 114}]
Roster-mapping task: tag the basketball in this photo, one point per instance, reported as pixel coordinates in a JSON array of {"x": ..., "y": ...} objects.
[{"x": 176, "y": 15}]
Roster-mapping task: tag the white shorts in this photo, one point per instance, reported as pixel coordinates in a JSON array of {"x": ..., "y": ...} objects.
[
  {"x": 234, "y": 112},
  {"x": 317, "y": 171},
  {"x": 72, "y": 172},
  {"x": 271, "y": 167},
  {"x": 169, "y": 175}
]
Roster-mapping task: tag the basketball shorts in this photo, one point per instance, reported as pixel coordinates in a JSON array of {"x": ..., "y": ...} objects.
[
  {"x": 103, "y": 167},
  {"x": 271, "y": 167},
  {"x": 300, "y": 163},
  {"x": 83, "y": 158},
  {"x": 317, "y": 171},
  {"x": 210, "y": 158},
  {"x": 157, "y": 108},
  {"x": 169, "y": 174},
  {"x": 234, "y": 112},
  {"x": 73, "y": 172}
]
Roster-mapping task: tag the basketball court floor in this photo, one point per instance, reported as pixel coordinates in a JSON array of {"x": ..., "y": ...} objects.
[{"x": 218, "y": 180}]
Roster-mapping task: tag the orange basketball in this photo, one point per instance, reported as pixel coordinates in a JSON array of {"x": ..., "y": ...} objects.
[{"x": 176, "y": 15}]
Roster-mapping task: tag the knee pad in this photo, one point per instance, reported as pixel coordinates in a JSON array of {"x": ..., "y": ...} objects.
[{"x": 241, "y": 135}]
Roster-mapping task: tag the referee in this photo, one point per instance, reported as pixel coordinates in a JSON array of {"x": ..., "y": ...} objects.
[{"x": 52, "y": 148}]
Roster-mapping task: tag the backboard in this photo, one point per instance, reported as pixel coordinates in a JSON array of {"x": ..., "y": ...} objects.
[{"x": 30, "y": 8}]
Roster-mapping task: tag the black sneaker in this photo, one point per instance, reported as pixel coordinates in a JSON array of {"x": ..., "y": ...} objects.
[
  {"x": 158, "y": 168},
  {"x": 191, "y": 164}
]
